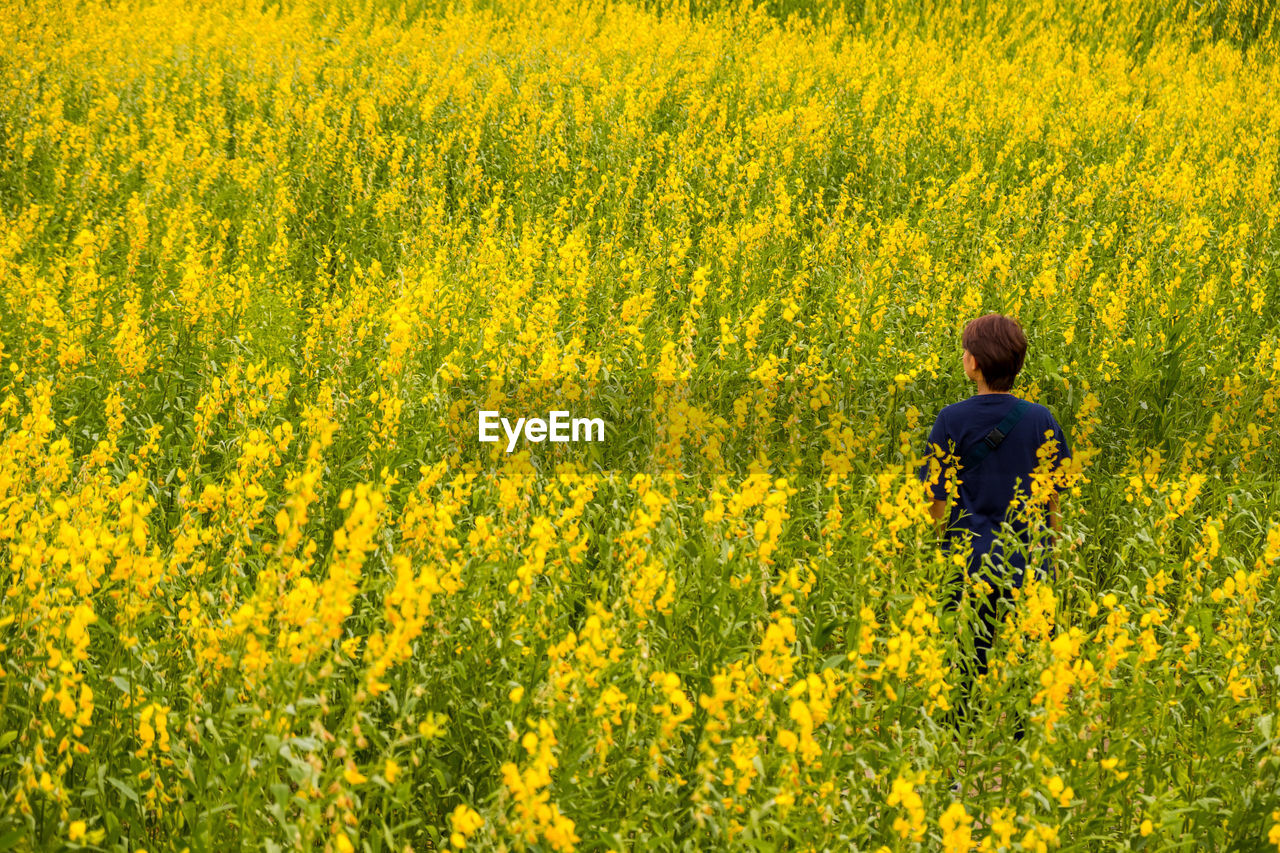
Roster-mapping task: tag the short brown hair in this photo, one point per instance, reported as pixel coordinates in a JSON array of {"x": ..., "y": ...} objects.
[{"x": 999, "y": 346}]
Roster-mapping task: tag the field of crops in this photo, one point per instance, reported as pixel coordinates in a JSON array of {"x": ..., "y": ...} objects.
[{"x": 262, "y": 588}]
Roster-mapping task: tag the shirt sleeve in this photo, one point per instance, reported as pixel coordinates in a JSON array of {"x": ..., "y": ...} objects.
[{"x": 937, "y": 438}]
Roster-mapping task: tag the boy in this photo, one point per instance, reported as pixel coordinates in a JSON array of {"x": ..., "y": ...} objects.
[{"x": 997, "y": 437}]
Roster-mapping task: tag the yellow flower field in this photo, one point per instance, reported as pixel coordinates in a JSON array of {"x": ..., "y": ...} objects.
[{"x": 262, "y": 588}]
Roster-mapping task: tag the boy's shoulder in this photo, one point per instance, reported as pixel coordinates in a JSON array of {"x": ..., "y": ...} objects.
[
  {"x": 1038, "y": 413},
  {"x": 1042, "y": 421},
  {"x": 973, "y": 406},
  {"x": 1044, "y": 413},
  {"x": 1039, "y": 409}
]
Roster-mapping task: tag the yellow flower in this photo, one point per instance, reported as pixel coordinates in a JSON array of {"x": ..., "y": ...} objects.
[
  {"x": 76, "y": 831},
  {"x": 954, "y": 823},
  {"x": 431, "y": 727},
  {"x": 904, "y": 795},
  {"x": 465, "y": 821}
]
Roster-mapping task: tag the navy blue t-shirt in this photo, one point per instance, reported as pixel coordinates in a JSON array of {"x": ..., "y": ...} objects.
[{"x": 986, "y": 492}]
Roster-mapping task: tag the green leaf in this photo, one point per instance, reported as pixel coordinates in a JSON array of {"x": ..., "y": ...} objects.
[{"x": 124, "y": 789}]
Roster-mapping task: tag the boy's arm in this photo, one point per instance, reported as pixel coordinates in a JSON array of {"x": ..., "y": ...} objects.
[
  {"x": 1055, "y": 534},
  {"x": 936, "y": 510}
]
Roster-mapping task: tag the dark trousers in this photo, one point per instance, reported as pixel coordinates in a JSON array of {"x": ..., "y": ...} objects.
[{"x": 988, "y": 614}]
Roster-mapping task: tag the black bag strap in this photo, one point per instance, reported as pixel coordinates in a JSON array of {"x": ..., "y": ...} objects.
[{"x": 992, "y": 440}]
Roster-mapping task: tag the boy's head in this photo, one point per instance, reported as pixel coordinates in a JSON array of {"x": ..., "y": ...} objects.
[{"x": 998, "y": 347}]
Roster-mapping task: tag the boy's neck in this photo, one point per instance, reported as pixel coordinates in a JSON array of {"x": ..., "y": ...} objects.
[{"x": 983, "y": 389}]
